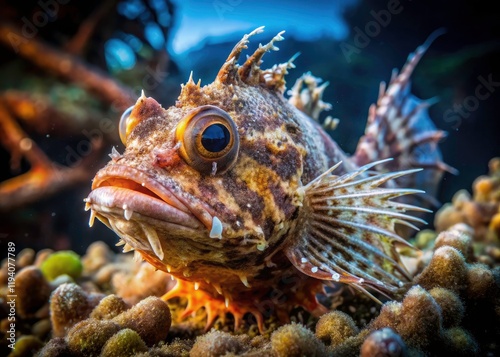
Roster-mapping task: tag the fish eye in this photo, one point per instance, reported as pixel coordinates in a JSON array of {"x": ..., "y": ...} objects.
[
  {"x": 209, "y": 140},
  {"x": 122, "y": 128},
  {"x": 215, "y": 138}
]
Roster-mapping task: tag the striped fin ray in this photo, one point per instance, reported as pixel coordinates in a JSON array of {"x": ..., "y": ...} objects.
[
  {"x": 399, "y": 126},
  {"x": 349, "y": 230}
]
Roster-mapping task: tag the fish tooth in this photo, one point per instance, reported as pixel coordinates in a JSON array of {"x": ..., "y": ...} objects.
[
  {"x": 121, "y": 242},
  {"x": 137, "y": 256},
  {"x": 244, "y": 280},
  {"x": 216, "y": 231},
  {"x": 92, "y": 217},
  {"x": 196, "y": 285},
  {"x": 169, "y": 268},
  {"x": 172, "y": 277},
  {"x": 127, "y": 248},
  {"x": 153, "y": 240},
  {"x": 226, "y": 301},
  {"x": 217, "y": 287},
  {"x": 127, "y": 213},
  {"x": 87, "y": 204}
]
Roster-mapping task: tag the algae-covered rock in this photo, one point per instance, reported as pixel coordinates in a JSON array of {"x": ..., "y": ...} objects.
[
  {"x": 26, "y": 346},
  {"x": 70, "y": 304},
  {"x": 447, "y": 269},
  {"x": 452, "y": 308},
  {"x": 32, "y": 290},
  {"x": 421, "y": 321},
  {"x": 218, "y": 343},
  {"x": 177, "y": 347},
  {"x": 295, "y": 340},
  {"x": 335, "y": 327},
  {"x": 150, "y": 318},
  {"x": 109, "y": 307},
  {"x": 458, "y": 342},
  {"x": 459, "y": 237},
  {"x": 56, "y": 347},
  {"x": 98, "y": 255},
  {"x": 87, "y": 337},
  {"x": 480, "y": 281}
]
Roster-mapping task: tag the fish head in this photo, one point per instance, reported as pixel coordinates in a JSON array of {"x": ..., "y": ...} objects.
[{"x": 213, "y": 180}]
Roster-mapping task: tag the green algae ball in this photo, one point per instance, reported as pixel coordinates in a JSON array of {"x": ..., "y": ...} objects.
[
  {"x": 63, "y": 262},
  {"x": 124, "y": 343}
]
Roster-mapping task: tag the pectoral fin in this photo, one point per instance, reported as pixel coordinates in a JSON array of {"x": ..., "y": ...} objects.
[{"x": 348, "y": 233}]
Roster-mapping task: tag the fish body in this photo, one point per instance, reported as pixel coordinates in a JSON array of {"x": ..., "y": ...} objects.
[{"x": 242, "y": 196}]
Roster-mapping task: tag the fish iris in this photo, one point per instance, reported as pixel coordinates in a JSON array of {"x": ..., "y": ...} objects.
[{"x": 215, "y": 138}]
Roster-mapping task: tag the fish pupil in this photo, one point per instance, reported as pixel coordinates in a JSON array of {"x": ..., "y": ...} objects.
[{"x": 215, "y": 138}]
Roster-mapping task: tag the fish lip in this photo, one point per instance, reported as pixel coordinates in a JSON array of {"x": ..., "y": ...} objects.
[
  {"x": 102, "y": 193},
  {"x": 116, "y": 200}
]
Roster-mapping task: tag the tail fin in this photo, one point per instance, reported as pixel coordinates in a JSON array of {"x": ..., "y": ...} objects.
[{"x": 399, "y": 127}]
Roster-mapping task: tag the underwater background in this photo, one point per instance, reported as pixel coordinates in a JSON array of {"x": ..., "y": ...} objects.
[{"x": 69, "y": 68}]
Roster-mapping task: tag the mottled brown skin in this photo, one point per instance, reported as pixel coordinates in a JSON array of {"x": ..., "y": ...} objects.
[{"x": 257, "y": 199}]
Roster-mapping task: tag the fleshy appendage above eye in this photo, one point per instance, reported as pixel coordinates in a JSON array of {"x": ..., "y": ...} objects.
[
  {"x": 209, "y": 140},
  {"x": 122, "y": 127}
]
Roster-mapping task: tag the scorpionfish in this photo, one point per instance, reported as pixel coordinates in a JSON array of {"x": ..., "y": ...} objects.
[{"x": 241, "y": 195}]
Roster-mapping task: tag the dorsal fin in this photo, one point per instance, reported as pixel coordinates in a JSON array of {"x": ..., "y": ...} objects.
[
  {"x": 229, "y": 69},
  {"x": 274, "y": 77},
  {"x": 399, "y": 127},
  {"x": 306, "y": 95},
  {"x": 250, "y": 72}
]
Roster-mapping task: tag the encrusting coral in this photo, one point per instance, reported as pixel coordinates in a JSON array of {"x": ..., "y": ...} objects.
[
  {"x": 481, "y": 211},
  {"x": 452, "y": 306},
  {"x": 108, "y": 326},
  {"x": 109, "y": 307}
]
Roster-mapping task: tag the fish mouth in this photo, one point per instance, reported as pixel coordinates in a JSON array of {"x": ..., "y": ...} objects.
[{"x": 140, "y": 209}]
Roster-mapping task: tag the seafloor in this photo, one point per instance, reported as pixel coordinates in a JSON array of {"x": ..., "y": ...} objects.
[{"x": 107, "y": 304}]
